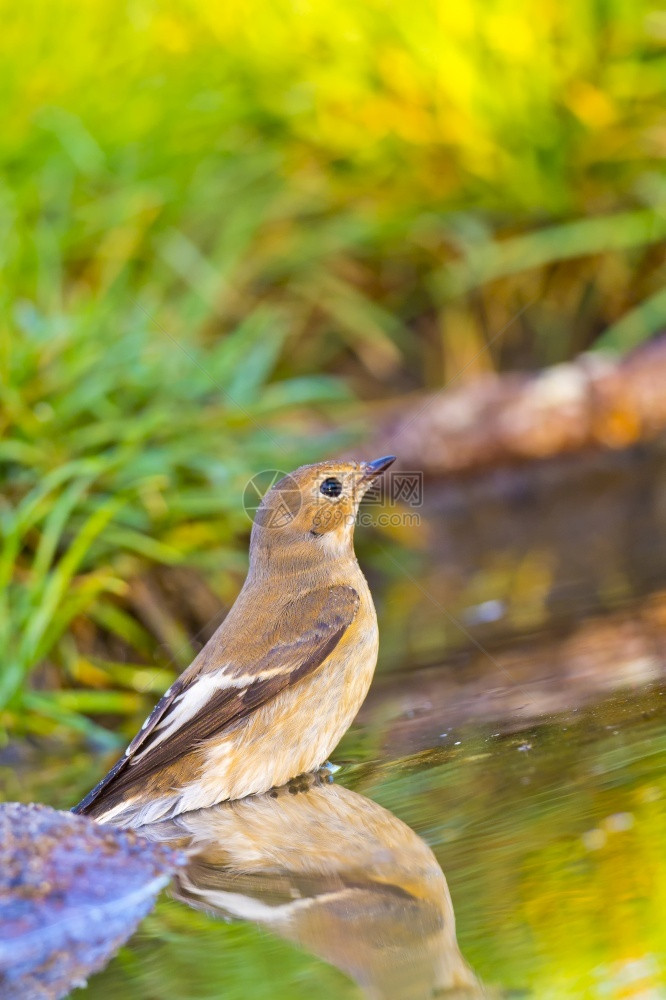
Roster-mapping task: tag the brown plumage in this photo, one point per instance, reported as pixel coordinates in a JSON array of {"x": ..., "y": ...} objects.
[{"x": 275, "y": 688}]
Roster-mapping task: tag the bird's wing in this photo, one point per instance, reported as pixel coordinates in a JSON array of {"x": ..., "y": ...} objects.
[{"x": 228, "y": 681}]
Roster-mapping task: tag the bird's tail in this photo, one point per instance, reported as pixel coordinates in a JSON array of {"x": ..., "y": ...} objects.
[{"x": 133, "y": 812}]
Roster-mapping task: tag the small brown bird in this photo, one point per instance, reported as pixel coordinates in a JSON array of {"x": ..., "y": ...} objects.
[{"x": 276, "y": 687}]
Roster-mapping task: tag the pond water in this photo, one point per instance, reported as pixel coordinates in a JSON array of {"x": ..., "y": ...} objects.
[{"x": 546, "y": 843}]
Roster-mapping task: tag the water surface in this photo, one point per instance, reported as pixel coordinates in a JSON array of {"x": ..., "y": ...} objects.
[{"x": 546, "y": 843}]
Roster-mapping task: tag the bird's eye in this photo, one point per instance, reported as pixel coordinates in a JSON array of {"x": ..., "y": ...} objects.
[{"x": 331, "y": 487}]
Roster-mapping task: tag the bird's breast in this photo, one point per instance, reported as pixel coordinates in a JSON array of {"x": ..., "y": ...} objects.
[{"x": 296, "y": 731}]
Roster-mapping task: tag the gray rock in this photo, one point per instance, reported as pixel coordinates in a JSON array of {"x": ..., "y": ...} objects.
[{"x": 71, "y": 892}]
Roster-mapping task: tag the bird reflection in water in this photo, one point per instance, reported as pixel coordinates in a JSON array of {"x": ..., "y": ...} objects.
[{"x": 333, "y": 872}]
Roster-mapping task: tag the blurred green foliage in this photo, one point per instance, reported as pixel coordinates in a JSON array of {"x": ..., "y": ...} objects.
[
  {"x": 217, "y": 219},
  {"x": 130, "y": 456}
]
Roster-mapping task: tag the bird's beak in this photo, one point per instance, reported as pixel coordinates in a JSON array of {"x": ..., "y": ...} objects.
[{"x": 376, "y": 467}]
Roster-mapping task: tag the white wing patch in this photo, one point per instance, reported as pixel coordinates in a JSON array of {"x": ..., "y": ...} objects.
[
  {"x": 245, "y": 907},
  {"x": 186, "y": 705}
]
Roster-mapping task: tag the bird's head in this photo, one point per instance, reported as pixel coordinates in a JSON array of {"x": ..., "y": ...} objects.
[{"x": 314, "y": 508}]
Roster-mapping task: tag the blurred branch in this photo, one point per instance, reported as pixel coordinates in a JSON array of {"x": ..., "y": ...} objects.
[{"x": 591, "y": 402}]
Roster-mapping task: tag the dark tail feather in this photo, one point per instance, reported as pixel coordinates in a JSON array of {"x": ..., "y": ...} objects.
[{"x": 91, "y": 798}]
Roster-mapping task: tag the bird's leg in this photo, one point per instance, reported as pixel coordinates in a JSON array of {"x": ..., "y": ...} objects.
[{"x": 331, "y": 768}]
